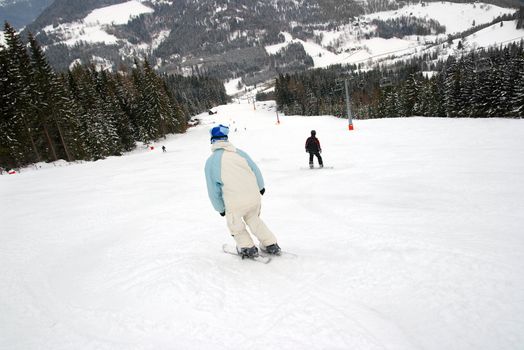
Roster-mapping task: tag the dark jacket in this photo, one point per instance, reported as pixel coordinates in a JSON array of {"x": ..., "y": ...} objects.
[{"x": 313, "y": 145}]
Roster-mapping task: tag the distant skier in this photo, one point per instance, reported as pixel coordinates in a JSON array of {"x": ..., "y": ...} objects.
[
  {"x": 235, "y": 186},
  {"x": 314, "y": 149},
  {"x": 164, "y": 149}
]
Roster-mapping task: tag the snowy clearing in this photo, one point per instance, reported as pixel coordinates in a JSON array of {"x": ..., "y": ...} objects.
[
  {"x": 117, "y": 14},
  {"x": 455, "y": 16},
  {"x": 356, "y": 51},
  {"x": 232, "y": 86},
  {"x": 495, "y": 34},
  {"x": 91, "y": 28},
  {"x": 414, "y": 240}
]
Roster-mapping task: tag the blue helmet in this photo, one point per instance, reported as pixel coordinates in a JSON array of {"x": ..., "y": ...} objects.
[{"x": 219, "y": 133}]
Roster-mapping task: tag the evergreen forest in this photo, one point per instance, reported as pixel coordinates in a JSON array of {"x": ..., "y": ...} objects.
[
  {"x": 87, "y": 113},
  {"x": 479, "y": 84}
]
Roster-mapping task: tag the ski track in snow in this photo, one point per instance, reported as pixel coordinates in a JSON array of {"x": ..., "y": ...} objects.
[{"x": 412, "y": 241}]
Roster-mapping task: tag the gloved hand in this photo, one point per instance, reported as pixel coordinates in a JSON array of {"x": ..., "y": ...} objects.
[
  {"x": 320, "y": 151},
  {"x": 262, "y": 191},
  {"x": 307, "y": 151},
  {"x": 223, "y": 213}
]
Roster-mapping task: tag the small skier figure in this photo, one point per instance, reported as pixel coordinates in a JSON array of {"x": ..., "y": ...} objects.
[
  {"x": 164, "y": 149},
  {"x": 235, "y": 186},
  {"x": 314, "y": 149}
]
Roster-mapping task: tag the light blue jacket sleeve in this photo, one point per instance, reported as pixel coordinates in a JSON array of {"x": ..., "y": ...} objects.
[
  {"x": 213, "y": 172},
  {"x": 254, "y": 167}
]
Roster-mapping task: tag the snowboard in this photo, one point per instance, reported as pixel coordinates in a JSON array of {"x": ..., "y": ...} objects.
[{"x": 231, "y": 249}]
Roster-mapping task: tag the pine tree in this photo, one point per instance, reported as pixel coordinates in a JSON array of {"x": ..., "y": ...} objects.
[
  {"x": 520, "y": 18},
  {"x": 466, "y": 87},
  {"x": 21, "y": 124},
  {"x": 517, "y": 100},
  {"x": 409, "y": 93},
  {"x": 49, "y": 102},
  {"x": 120, "y": 97},
  {"x": 8, "y": 143},
  {"x": 497, "y": 97},
  {"x": 452, "y": 95},
  {"x": 99, "y": 131},
  {"x": 145, "y": 124}
]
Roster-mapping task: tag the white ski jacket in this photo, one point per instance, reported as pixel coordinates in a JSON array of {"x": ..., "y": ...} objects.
[{"x": 233, "y": 180}]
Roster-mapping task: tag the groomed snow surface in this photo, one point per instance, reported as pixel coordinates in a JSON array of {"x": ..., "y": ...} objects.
[{"x": 414, "y": 240}]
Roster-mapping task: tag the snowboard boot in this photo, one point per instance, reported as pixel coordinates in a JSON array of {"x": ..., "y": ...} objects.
[
  {"x": 273, "y": 249},
  {"x": 310, "y": 165},
  {"x": 321, "y": 165},
  {"x": 251, "y": 252}
]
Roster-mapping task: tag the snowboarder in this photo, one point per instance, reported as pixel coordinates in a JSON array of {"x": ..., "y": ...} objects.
[
  {"x": 164, "y": 149},
  {"x": 235, "y": 186},
  {"x": 314, "y": 149}
]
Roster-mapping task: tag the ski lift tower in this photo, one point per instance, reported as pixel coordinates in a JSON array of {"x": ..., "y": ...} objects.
[
  {"x": 348, "y": 102},
  {"x": 348, "y": 106}
]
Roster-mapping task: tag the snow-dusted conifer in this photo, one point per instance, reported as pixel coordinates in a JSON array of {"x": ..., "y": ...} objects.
[
  {"x": 23, "y": 126},
  {"x": 51, "y": 106},
  {"x": 159, "y": 107},
  {"x": 517, "y": 100},
  {"x": 452, "y": 97}
]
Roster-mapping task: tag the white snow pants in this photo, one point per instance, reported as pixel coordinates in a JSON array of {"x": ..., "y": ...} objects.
[{"x": 236, "y": 222}]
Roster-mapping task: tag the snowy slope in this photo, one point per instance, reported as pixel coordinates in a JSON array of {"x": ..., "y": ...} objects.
[
  {"x": 322, "y": 57},
  {"x": 494, "y": 35},
  {"x": 117, "y": 14},
  {"x": 92, "y": 28},
  {"x": 350, "y": 45},
  {"x": 413, "y": 241},
  {"x": 456, "y": 17}
]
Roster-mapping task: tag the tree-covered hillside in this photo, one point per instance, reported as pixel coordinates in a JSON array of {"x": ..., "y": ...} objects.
[
  {"x": 85, "y": 113},
  {"x": 478, "y": 84}
]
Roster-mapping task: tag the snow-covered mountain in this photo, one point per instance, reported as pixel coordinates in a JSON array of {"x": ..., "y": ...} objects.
[
  {"x": 21, "y": 12},
  {"x": 95, "y": 26},
  {"x": 248, "y": 38},
  {"x": 352, "y": 43},
  {"x": 412, "y": 241}
]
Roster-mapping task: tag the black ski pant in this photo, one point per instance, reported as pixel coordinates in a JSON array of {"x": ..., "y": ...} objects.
[{"x": 311, "y": 154}]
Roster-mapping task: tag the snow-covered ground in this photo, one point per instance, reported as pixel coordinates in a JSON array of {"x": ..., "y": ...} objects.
[
  {"x": 352, "y": 47},
  {"x": 357, "y": 50},
  {"x": 117, "y": 14},
  {"x": 232, "y": 86},
  {"x": 91, "y": 28},
  {"x": 495, "y": 34},
  {"x": 456, "y": 17},
  {"x": 348, "y": 44},
  {"x": 414, "y": 240}
]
